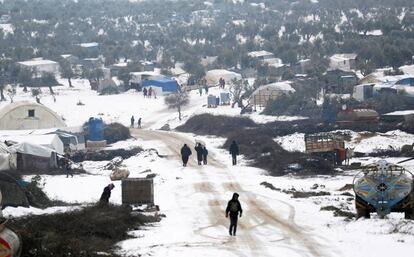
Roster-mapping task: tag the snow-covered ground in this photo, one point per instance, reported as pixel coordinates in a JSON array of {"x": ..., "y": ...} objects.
[{"x": 194, "y": 198}]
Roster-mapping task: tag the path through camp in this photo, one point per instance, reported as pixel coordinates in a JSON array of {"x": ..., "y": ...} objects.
[{"x": 196, "y": 225}]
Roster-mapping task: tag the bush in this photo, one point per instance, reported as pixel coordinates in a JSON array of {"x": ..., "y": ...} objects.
[
  {"x": 110, "y": 91},
  {"x": 87, "y": 232},
  {"x": 115, "y": 132},
  {"x": 207, "y": 124},
  {"x": 259, "y": 147}
]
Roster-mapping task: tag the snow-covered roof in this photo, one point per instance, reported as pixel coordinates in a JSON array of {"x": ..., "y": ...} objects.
[
  {"x": 258, "y": 54},
  {"x": 274, "y": 62},
  {"x": 407, "y": 69},
  {"x": 304, "y": 60},
  {"x": 5, "y": 109},
  {"x": 282, "y": 86},
  {"x": 343, "y": 57},
  {"x": 32, "y": 149},
  {"x": 36, "y": 62},
  {"x": 398, "y": 113},
  {"x": 213, "y": 76},
  {"x": 50, "y": 141},
  {"x": 87, "y": 45}
]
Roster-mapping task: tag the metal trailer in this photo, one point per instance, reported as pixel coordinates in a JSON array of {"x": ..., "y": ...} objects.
[{"x": 327, "y": 146}]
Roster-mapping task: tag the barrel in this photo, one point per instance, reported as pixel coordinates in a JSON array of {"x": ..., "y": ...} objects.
[{"x": 10, "y": 244}]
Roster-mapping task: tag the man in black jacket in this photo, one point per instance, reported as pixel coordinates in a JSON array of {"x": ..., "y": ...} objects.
[
  {"x": 199, "y": 150},
  {"x": 233, "y": 209},
  {"x": 234, "y": 151},
  {"x": 205, "y": 153},
  {"x": 106, "y": 194},
  {"x": 185, "y": 154}
]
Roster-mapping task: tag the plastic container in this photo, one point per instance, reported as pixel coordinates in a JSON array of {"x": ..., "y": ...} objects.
[
  {"x": 10, "y": 243},
  {"x": 96, "y": 128}
]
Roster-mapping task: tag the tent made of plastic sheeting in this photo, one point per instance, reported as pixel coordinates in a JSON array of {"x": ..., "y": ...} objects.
[
  {"x": 166, "y": 84},
  {"x": 263, "y": 94},
  {"x": 72, "y": 137},
  {"x": 28, "y": 148},
  {"x": 7, "y": 159},
  {"x": 213, "y": 76},
  {"x": 51, "y": 143}
]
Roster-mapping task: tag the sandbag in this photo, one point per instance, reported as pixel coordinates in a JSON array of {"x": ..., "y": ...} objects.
[{"x": 118, "y": 174}]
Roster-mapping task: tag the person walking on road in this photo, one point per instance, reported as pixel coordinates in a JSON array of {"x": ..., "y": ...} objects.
[
  {"x": 132, "y": 121},
  {"x": 144, "y": 91},
  {"x": 205, "y": 153},
  {"x": 106, "y": 194},
  {"x": 234, "y": 210},
  {"x": 199, "y": 150},
  {"x": 185, "y": 154},
  {"x": 139, "y": 123},
  {"x": 234, "y": 151}
]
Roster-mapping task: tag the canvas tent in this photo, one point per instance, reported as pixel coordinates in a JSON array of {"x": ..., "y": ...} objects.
[
  {"x": 7, "y": 159},
  {"x": 263, "y": 94},
  {"x": 51, "y": 142},
  {"x": 28, "y": 115},
  {"x": 33, "y": 157},
  {"x": 213, "y": 76},
  {"x": 72, "y": 137}
]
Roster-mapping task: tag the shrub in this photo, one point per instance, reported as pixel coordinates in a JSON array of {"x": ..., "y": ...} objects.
[
  {"x": 87, "y": 232},
  {"x": 207, "y": 124},
  {"x": 110, "y": 91},
  {"x": 115, "y": 132}
]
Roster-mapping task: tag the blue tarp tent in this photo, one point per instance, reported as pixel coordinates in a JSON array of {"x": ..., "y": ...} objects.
[{"x": 167, "y": 84}]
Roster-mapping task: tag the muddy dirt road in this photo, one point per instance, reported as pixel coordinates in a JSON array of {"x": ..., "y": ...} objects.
[{"x": 262, "y": 229}]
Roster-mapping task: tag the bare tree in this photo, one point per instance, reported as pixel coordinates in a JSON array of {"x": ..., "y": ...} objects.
[
  {"x": 238, "y": 89},
  {"x": 11, "y": 92},
  {"x": 66, "y": 71},
  {"x": 177, "y": 100}
]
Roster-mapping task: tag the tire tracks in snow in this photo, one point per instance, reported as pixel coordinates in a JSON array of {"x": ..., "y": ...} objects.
[{"x": 261, "y": 211}]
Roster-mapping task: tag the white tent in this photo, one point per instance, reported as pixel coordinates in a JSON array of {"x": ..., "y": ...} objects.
[
  {"x": 32, "y": 149},
  {"x": 213, "y": 76},
  {"x": 4, "y": 157},
  {"x": 51, "y": 142},
  {"x": 8, "y": 160},
  {"x": 263, "y": 94}
]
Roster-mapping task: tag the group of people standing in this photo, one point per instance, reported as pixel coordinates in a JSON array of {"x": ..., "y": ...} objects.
[
  {"x": 133, "y": 122},
  {"x": 148, "y": 93},
  {"x": 222, "y": 83}
]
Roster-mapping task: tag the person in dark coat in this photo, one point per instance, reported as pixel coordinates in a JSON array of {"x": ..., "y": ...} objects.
[
  {"x": 144, "y": 91},
  {"x": 132, "y": 121},
  {"x": 199, "y": 150},
  {"x": 67, "y": 168},
  {"x": 233, "y": 210},
  {"x": 139, "y": 123},
  {"x": 185, "y": 154},
  {"x": 234, "y": 151},
  {"x": 106, "y": 194},
  {"x": 150, "y": 92},
  {"x": 205, "y": 153}
]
